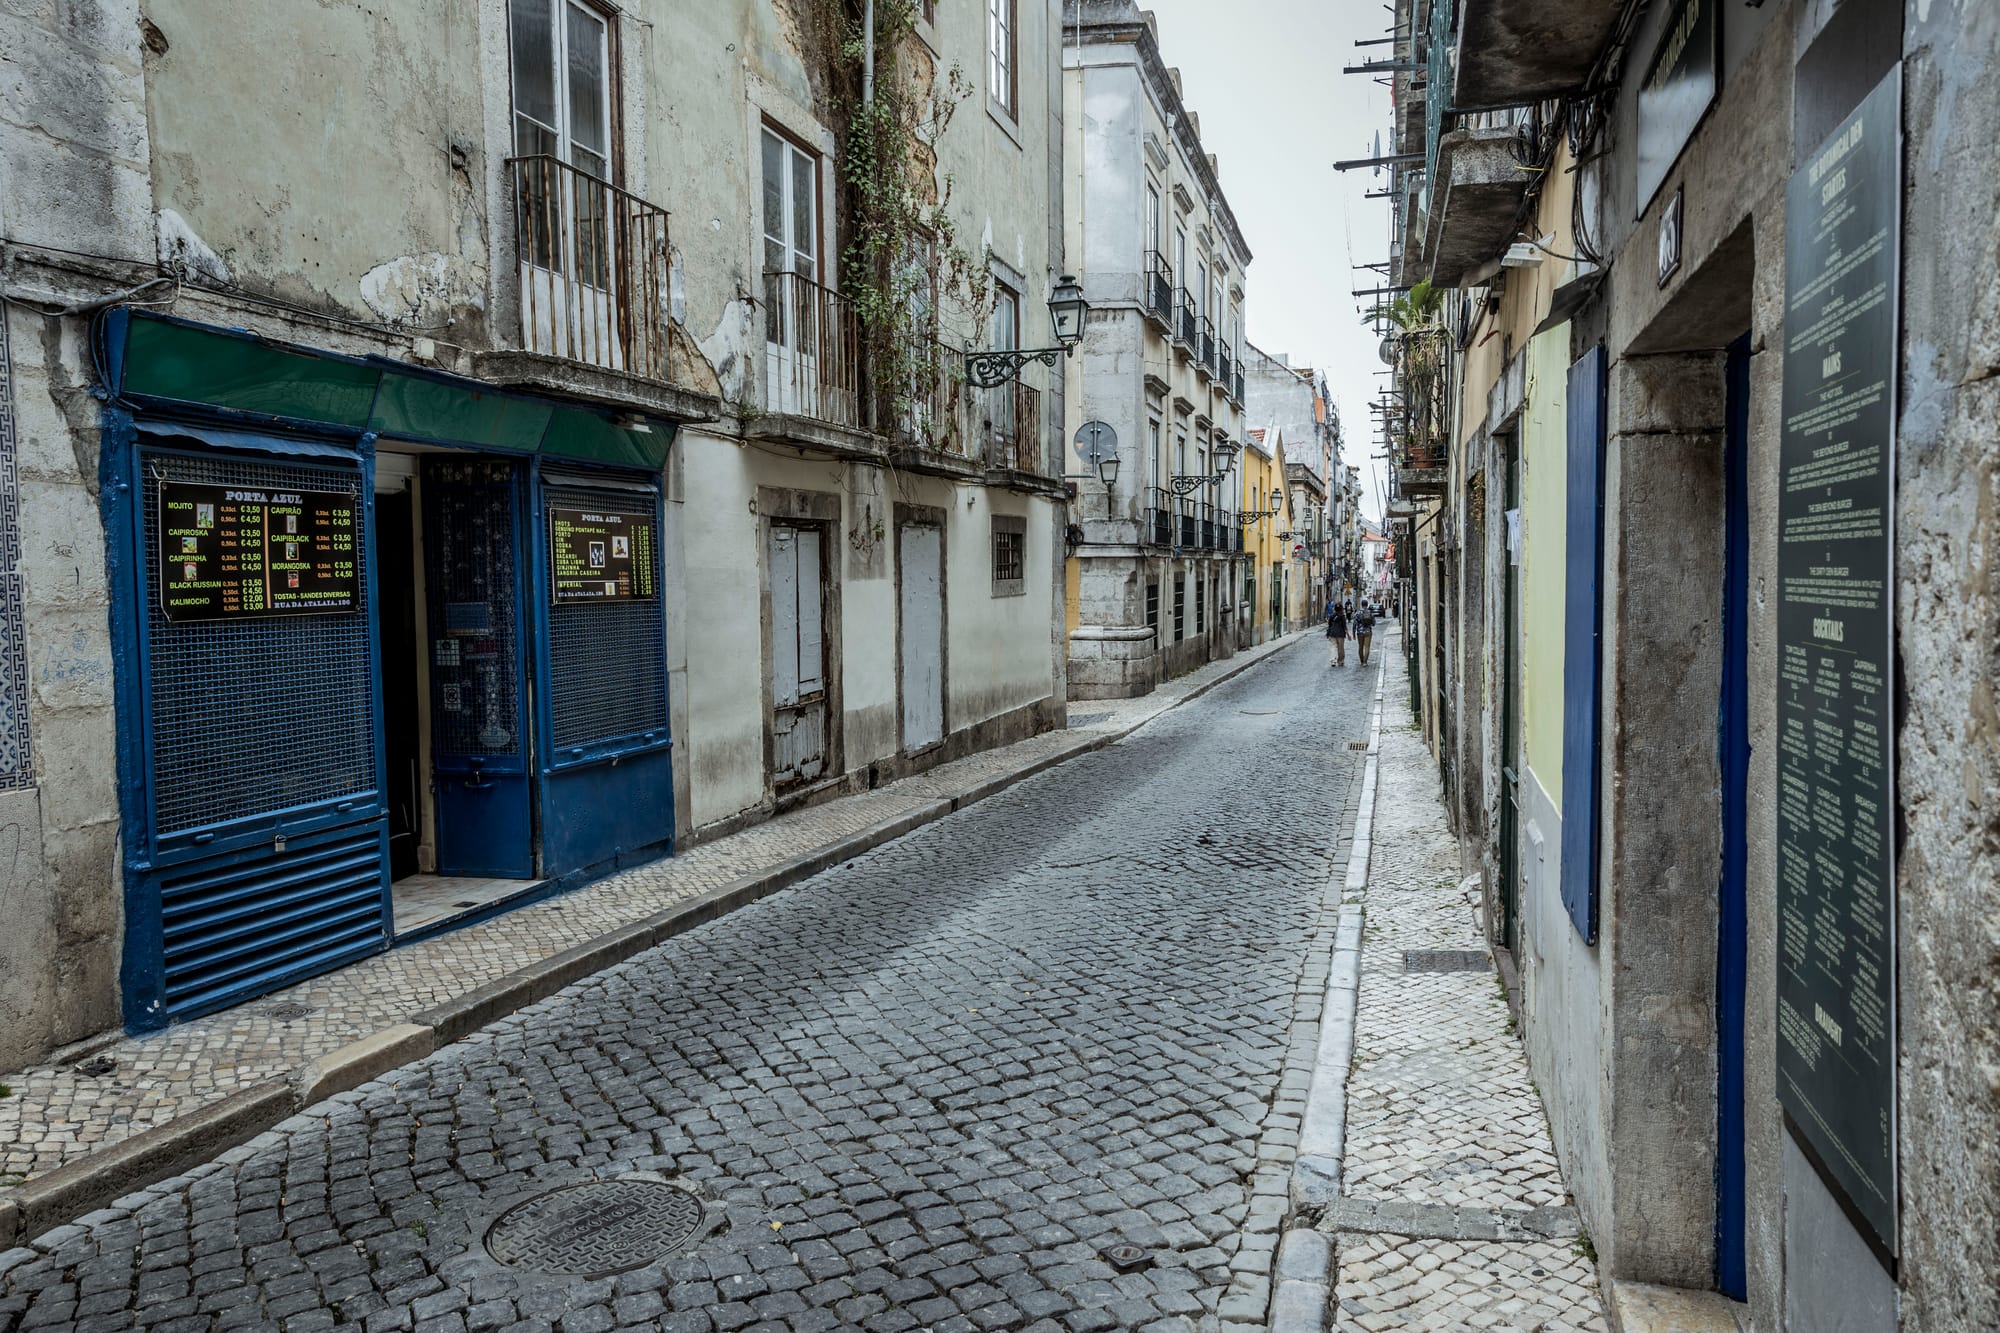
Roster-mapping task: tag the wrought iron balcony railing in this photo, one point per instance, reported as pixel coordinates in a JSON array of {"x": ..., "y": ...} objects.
[
  {"x": 1184, "y": 328},
  {"x": 1205, "y": 348},
  {"x": 1159, "y": 289},
  {"x": 1014, "y": 428},
  {"x": 1159, "y": 530},
  {"x": 593, "y": 268},
  {"x": 1225, "y": 367},
  {"x": 812, "y": 352}
]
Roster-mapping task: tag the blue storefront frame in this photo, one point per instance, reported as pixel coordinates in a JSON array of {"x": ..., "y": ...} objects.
[{"x": 605, "y": 805}]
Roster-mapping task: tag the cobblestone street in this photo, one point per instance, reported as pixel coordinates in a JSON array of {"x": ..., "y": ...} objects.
[{"x": 935, "y": 1087}]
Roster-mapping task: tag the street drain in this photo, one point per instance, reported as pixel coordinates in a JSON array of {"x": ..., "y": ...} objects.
[
  {"x": 1357, "y": 745},
  {"x": 595, "y": 1230},
  {"x": 1446, "y": 960},
  {"x": 288, "y": 1012}
]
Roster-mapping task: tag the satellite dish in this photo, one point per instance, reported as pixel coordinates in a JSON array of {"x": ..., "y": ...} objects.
[{"x": 1096, "y": 442}]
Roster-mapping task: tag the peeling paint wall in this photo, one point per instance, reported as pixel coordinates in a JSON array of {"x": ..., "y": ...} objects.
[{"x": 357, "y": 191}]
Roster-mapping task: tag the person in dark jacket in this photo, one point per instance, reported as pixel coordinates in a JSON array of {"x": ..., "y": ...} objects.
[
  {"x": 1336, "y": 630},
  {"x": 1364, "y": 631}
]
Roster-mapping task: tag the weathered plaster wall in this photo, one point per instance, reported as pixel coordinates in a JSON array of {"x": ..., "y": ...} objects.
[
  {"x": 1948, "y": 630},
  {"x": 359, "y": 191}
]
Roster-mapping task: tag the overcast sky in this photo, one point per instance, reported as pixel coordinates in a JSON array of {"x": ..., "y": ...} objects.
[{"x": 1264, "y": 76}]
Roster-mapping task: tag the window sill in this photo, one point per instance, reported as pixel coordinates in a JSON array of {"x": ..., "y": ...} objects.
[
  {"x": 1010, "y": 588},
  {"x": 1000, "y": 116}
]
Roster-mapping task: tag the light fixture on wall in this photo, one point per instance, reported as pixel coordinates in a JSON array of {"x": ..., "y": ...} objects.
[{"x": 990, "y": 370}]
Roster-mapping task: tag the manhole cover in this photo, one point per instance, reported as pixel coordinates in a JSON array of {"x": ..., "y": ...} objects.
[
  {"x": 1357, "y": 745},
  {"x": 286, "y": 1013},
  {"x": 1446, "y": 960},
  {"x": 595, "y": 1230},
  {"x": 1089, "y": 719}
]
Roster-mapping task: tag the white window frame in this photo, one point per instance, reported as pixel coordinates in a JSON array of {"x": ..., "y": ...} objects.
[
  {"x": 563, "y": 130},
  {"x": 1003, "y": 57}
]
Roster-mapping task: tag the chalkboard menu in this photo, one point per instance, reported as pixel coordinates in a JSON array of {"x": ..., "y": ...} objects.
[
  {"x": 225, "y": 552},
  {"x": 600, "y": 555},
  {"x": 1836, "y": 875}
]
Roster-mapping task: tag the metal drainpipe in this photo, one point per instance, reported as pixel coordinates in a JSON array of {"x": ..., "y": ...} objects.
[{"x": 868, "y": 52}]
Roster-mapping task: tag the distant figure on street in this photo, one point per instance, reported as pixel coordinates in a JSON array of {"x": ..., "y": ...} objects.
[
  {"x": 1336, "y": 630},
  {"x": 1364, "y": 631}
]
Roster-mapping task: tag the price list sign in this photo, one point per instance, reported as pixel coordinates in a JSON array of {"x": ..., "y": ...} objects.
[
  {"x": 600, "y": 555},
  {"x": 225, "y": 552},
  {"x": 1836, "y": 912}
]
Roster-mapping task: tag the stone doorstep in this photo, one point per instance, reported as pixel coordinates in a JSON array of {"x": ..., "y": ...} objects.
[
  {"x": 130, "y": 1165},
  {"x": 1640, "y": 1307}
]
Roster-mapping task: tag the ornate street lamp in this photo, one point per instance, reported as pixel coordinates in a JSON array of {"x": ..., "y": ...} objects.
[{"x": 989, "y": 370}]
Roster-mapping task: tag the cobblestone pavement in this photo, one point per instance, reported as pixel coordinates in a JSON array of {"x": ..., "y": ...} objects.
[
  {"x": 56, "y": 1114},
  {"x": 1440, "y": 1108},
  {"x": 931, "y": 1088}
]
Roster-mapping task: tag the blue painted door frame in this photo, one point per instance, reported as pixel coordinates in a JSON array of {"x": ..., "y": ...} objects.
[{"x": 1733, "y": 754}]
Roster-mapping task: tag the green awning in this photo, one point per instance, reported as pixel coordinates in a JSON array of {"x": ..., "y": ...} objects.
[{"x": 172, "y": 361}]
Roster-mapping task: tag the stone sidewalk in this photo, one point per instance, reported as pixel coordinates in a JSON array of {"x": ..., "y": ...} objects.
[
  {"x": 1449, "y": 1209},
  {"x": 76, "y": 1134}
]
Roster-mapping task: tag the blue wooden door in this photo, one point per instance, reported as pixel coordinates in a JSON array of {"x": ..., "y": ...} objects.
[
  {"x": 1733, "y": 754},
  {"x": 479, "y": 733},
  {"x": 604, "y": 749},
  {"x": 1583, "y": 538}
]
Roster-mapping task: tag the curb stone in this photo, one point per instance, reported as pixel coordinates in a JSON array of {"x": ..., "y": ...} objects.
[
  {"x": 1299, "y": 1304},
  {"x": 178, "y": 1145},
  {"x": 187, "y": 1144}
]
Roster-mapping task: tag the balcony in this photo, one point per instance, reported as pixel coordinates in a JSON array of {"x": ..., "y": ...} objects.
[
  {"x": 1159, "y": 529},
  {"x": 930, "y": 411},
  {"x": 1185, "y": 330},
  {"x": 1237, "y": 394},
  {"x": 812, "y": 353},
  {"x": 1013, "y": 434},
  {"x": 1518, "y": 51},
  {"x": 1420, "y": 472},
  {"x": 593, "y": 269},
  {"x": 1159, "y": 290},
  {"x": 1475, "y": 196},
  {"x": 1225, "y": 369},
  {"x": 1190, "y": 526},
  {"x": 1205, "y": 346}
]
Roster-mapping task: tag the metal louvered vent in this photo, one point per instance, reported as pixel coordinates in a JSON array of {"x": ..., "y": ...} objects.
[
  {"x": 245, "y": 924},
  {"x": 607, "y": 660},
  {"x": 257, "y": 714}
]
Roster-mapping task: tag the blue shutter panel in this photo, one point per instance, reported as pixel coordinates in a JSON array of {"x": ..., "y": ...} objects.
[{"x": 1582, "y": 616}]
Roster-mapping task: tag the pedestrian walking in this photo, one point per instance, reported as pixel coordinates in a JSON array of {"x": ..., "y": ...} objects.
[
  {"x": 1336, "y": 631},
  {"x": 1364, "y": 631}
]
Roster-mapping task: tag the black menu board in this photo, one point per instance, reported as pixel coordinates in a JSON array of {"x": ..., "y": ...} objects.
[
  {"x": 1836, "y": 873},
  {"x": 600, "y": 555},
  {"x": 225, "y": 552}
]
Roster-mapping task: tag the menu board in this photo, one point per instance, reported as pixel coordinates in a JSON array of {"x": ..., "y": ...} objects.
[
  {"x": 1836, "y": 873},
  {"x": 228, "y": 551},
  {"x": 600, "y": 555}
]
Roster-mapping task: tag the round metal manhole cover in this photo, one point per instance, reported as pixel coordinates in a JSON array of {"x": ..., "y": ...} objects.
[{"x": 595, "y": 1230}]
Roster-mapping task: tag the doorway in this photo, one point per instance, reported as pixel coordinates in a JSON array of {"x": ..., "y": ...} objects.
[
  {"x": 1510, "y": 691},
  {"x": 922, "y": 628},
  {"x": 798, "y": 653},
  {"x": 1732, "y": 918},
  {"x": 462, "y": 829}
]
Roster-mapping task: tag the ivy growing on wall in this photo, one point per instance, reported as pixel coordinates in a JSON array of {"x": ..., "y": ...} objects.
[{"x": 910, "y": 283}]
